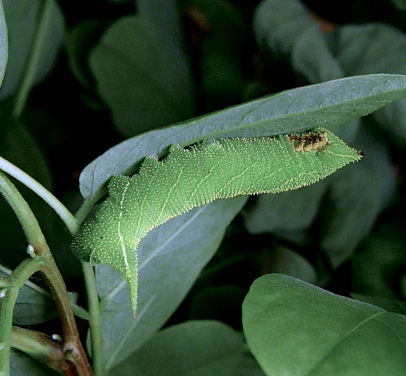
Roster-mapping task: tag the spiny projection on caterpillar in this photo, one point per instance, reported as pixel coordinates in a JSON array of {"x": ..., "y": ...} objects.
[{"x": 197, "y": 175}]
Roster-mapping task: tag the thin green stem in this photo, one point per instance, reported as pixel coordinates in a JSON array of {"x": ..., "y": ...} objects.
[
  {"x": 30, "y": 72},
  {"x": 94, "y": 319},
  {"x": 42, "y": 192},
  {"x": 84, "y": 210},
  {"x": 10, "y": 287},
  {"x": 29, "y": 223}
]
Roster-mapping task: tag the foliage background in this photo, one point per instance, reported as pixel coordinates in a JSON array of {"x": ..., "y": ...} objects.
[{"x": 94, "y": 92}]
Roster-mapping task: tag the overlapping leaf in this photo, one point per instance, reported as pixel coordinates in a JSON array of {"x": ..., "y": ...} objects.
[
  {"x": 327, "y": 105},
  {"x": 294, "y": 328}
]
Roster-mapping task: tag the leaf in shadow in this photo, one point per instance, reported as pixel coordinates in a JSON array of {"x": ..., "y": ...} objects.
[
  {"x": 190, "y": 348},
  {"x": 143, "y": 75}
]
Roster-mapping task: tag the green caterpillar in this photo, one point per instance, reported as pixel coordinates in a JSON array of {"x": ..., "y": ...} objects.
[{"x": 200, "y": 174}]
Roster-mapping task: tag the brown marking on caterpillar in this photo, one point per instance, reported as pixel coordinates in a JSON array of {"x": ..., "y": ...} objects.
[
  {"x": 311, "y": 141},
  {"x": 360, "y": 153}
]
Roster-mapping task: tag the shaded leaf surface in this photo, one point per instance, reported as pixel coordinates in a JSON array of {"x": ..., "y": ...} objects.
[
  {"x": 22, "y": 22},
  {"x": 328, "y": 104},
  {"x": 348, "y": 214},
  {"x": 374, "y": 48},
  {"x": 287, "y": 212},
  {"x": 22, "y": 364},
  {"x": 377, "y": 268},
  {"x": 143, "y": 75},
  {"x": 298, "y": 329},
  {"x": 19, "y": 147},
  {"x": 33, "y": 305},
  {"x": 193, "y": 348}
]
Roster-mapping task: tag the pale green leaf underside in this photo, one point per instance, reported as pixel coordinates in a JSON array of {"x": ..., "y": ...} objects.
[
  {"x": 188, "y": 178},
  {"x": 324, "y": 105}
]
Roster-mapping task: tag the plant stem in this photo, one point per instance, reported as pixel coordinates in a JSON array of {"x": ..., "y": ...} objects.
[
  {"x": 30, "y": 72},
  {"x": 42, "y": 192},
  {"x": 94, "y": 319},
  {"x": 10, "y": 287},
  {"x": 29, "y": 223}
]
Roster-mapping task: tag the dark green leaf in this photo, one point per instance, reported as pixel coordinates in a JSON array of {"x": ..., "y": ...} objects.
[
  {"x": 143, "y": 75},
  {"x": 294, "y": 328},
  {"x": 374, "y": 48},
  {"x": 287, "y": 213},
  {"x": 401, "y": 4},
  {"x": 193, "y": 348},
  {"x": 22, "y": 19},
  {"x": 18, "y": 146},
  {"x": 378, "y": 267},
  {"x": 348, "y": 214},
  {"x": 33, "y": 306},
  {"x": 22, "y": 364}
]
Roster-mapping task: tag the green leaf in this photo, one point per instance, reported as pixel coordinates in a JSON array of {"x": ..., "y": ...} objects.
[
  {"x": 288, "y": 262},
  {"x": 284, "y": 214},
  {"x": 391, "y": 305},
  {"x": 294, "y": 328},
  {"x": 22, "y": 364},
  {"x": 170, "y": 259},
  {"x": 349, "y": 212},
  {"x": 3, "y": 44},
  {"x": 311, "y": 58},
  {"x": 377, "y": 268},
  {"x": 373, "y": 48},
  {"x": 401, "y": 4},
  {"x": 18, "y": 146},
  {"x": 22, "y": 20},
  {"x": 189, "y": 178},
  {"x": 142, "y": 74},
  {"x": 33, "y": 305},
  {"x": 328, "y": 105},
  {"x": 279, "y": 24},
  {"x": 79, "y": 41},
  {"x": 249, "y": 367},
  {"x": 193, "y": 348}
]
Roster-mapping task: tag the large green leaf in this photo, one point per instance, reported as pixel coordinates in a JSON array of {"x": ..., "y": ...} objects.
[
  {"x": 328, "y": 104},
  {"x": 374, "y": 48},
  {"x": 170, "y": 258},
  {"x": 193, "y": 348},
  {"x": 294, "y": 328}
]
